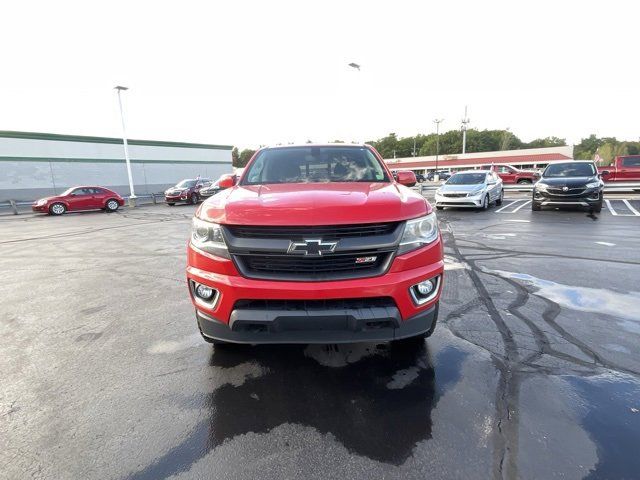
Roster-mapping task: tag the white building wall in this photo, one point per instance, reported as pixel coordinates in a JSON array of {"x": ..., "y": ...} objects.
[{"x": 32, "y": 168}]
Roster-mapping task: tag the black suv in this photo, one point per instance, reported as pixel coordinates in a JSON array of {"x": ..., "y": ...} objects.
[
  {"x": 187, "y": 191},
  {"x": 569, "y": 184}
]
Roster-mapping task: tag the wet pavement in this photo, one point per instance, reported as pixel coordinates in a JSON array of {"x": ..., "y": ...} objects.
[{"x": 533, "y": 371}]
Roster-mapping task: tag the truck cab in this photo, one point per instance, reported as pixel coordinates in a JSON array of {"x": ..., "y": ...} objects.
[
  {"x": 511, "y": 174},
  {"x": 625, "y": 168}
]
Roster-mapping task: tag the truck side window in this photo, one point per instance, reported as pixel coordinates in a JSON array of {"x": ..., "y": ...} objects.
[{"x": 631, "y": 161}]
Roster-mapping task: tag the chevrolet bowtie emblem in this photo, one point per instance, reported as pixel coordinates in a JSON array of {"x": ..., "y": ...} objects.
[{"x": 314, "y": 248}]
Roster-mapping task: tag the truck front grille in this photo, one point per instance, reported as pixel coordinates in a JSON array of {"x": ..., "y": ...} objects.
[{"x": 334, "y": 232}]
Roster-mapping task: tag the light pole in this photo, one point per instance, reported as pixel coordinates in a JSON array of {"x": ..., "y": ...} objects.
[
  {"x": 437, "y": 121},
  {"x": 132, "y": 196},
  {"x": 465, "y": 121}
]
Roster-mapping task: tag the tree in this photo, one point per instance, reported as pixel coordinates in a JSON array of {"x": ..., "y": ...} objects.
[
  {"x": 235, "y": 156},
  {"x": 244, "y": 158},
  {"x": 546, "y": 142}
]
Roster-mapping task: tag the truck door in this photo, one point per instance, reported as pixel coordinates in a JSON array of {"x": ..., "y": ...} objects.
[{"x": 629, "y": 169}]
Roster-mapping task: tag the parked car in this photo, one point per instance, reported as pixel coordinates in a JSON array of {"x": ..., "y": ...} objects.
[
  {"x": 625, "y": 168},
  {"x": 315, "y": 244},
  {"x": 420, "y": 177},
  {"x": 510, "y": 174},
  {"x": 79, "y": 198},
  {"x": 574, "y": 183},
  {"x": 186, "y": 191},
  {"x": 442, "y": 175},
  {"x": 206, "y": 192},
  {"x": 470, "y": 189}
]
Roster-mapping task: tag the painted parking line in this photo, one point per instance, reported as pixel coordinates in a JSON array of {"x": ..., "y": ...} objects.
[
  {"x": 621, "y": 207},
  {"x": 608, "y": 204},
  {"x": 501, "y": 210},
  {"x": 525, "y": 203},
  {"x": 630, "y": 207}
]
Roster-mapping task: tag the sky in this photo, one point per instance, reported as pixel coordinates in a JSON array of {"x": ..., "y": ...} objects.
[{"x": 250, "y": 73}]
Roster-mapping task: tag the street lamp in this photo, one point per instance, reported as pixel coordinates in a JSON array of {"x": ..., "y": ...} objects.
[
  {"x": 437, "y": 121},
  {"x": 465, "y": 122},
  {"x": 132, "y": 196}
]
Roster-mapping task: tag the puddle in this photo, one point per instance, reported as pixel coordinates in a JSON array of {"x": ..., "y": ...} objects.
[
  {"x": 607, "y": 408},
  {"x": 584, "y": 299},
  {"x": 343, "y": 354},
  {"x": 499, "y": 236}
]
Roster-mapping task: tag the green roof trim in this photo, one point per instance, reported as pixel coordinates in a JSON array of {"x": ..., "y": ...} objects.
[
  {"x": 110, "y": 160},
  {"x": 88, "y": 139}
]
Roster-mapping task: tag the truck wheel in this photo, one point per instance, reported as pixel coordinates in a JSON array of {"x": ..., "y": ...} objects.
[
  {"x": 111, "y": 205},
  {"x": 524, "y": 181},
  {"x": 171, "y": 204},
  {"x": 57, "y": 209},
  {"x": 500, "y": 198}
]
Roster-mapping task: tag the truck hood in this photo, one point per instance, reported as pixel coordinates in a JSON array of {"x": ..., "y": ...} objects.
[{"x": 313, "y": 204}]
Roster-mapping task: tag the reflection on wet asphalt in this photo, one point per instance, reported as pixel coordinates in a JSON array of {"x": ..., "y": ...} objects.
[
  {"x": 611, "y": 417},
  {"x": 389, "y": 389}
]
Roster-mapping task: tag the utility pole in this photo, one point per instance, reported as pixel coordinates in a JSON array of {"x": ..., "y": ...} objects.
[
  {"x": 132, "y": 196},
  {"x": 465, "y": 122},
  {"x": 437, "y": 121},
  {"x": 414, "y": 146}
]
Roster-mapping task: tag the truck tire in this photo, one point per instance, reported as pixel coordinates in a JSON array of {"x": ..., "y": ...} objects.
[{"x": 525, "y": 181}]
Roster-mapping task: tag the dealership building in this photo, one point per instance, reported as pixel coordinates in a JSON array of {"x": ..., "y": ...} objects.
[
  {"x": 532, "y": 158},
  {"x": 33, "y": 165}
]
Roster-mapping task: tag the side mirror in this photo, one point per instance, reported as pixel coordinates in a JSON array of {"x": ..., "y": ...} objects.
[
  {"x": 406, "y": 178},
  {"x": 227, "y": 181},
  {"x": 605, "y": 173}
]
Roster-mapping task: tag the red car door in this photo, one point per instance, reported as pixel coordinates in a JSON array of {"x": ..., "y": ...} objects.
[
  {"x": 80, "y": 199},
  {"x": 98, "y": 198}
]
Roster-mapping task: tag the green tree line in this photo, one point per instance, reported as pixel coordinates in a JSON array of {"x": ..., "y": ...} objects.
[{"x": 450, "y": 143}]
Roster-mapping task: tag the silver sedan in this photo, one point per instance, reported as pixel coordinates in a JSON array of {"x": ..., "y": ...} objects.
[{"x": 470, "y": 189}]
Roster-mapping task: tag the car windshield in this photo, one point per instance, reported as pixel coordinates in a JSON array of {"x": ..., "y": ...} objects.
[
  {"x": 186, "y": 184},
  {"x": 68, "y": 191},
  {"x": 467, "y": 179},
  {"x": 315, "y": 165},
  {"x": 570, "y": 170}
]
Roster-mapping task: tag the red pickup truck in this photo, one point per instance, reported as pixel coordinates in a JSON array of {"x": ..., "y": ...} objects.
[
  {"x": 625, "y": 168},
  {"x": 510, "y": 174},
  {"x": 315, "y": 244}
]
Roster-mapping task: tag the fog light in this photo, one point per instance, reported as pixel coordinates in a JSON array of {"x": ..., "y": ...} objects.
[
  {"x": 425, "y": 288},
  {"x": 425, "y": 291},
  {"x": 204, "y": 292}
]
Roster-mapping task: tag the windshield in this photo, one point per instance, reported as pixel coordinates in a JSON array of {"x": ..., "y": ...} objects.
[
  {"x": 573, "y": 169},
  {"x": 315, "y": 165},
  {"x": 186, "y": 184},
  {"x": 68, "y": 191},
  {"x": 467, "y": 179}
]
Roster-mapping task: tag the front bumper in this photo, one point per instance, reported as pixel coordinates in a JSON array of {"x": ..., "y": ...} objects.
[
  {"x": 40, "y": 208},
  {"x": 329, "y": 326},
  {"x": 588, "y": 198},
  {"x": 233, "y": 288},
  {"x": 176, "y": 198},
  {"x": 474, "y": 201}
]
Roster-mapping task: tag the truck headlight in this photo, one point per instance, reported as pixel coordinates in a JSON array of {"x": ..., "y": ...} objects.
[
  {"x": 593, "y": 185},
  {"x": 418, "y": 233},
  {"x": 208, "y": 236}
]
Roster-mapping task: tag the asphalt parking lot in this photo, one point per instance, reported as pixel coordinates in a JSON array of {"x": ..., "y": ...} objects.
[{"x": 533, "y": 371}]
